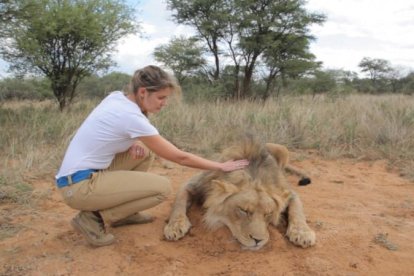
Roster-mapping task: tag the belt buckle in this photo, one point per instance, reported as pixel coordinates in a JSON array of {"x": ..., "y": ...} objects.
[{"x": 70, "y": 182}]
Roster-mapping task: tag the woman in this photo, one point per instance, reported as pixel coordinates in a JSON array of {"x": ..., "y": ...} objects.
[{"x": 104, "y": 171}]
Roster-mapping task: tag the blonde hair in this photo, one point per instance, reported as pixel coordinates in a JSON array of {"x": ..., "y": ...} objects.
[{"x": 153, "y": 79}]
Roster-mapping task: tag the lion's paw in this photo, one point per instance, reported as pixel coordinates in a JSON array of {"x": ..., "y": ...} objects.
[
  {"x": 177, "y": 228},
  {"x": 301, "y": 235}
]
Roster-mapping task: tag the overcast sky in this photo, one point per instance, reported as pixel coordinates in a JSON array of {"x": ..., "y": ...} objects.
[{"x": 354, "y": 29}]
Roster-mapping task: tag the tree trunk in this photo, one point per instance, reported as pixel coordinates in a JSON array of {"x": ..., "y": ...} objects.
[
  {"x": 268, "y": 88},
  {"x": 61, "y": 97},
  {"x": 216, "y": 74},
  {"x": 236, "y": 92},
  {"x": 248, "y": 73},
  {"x": 270, "y": 80},
  {"x": 63, "y": 93}
]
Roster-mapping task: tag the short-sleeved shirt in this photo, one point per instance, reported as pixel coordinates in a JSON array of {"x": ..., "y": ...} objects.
[{"x": 112, "y": 127}]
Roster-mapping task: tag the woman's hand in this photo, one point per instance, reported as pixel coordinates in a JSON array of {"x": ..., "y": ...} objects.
[
  {"x": 137, "y": 151},
  {"x": 233, "y": 165}
]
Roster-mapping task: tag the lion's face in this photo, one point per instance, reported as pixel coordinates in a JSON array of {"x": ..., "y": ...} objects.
[{"x": 246, "y": 208}]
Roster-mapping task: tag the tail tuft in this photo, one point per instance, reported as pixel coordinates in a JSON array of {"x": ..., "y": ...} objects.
[{"x": 305, "y": 181}]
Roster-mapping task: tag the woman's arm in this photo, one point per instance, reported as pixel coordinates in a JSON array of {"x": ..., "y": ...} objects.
[{"x": 165, "y": 149}]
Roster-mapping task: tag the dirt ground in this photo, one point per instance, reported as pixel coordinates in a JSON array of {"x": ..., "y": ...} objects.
[{"x": 362, "y": 213}]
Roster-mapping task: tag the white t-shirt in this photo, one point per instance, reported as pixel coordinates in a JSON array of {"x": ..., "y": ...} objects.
[{"x": 112, "y": 127}]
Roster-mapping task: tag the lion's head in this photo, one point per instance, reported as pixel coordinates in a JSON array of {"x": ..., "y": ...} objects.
[{"x": 248, "y": 200}]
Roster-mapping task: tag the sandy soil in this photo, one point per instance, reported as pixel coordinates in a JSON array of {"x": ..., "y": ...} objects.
[{"x": 362, "y": 213}]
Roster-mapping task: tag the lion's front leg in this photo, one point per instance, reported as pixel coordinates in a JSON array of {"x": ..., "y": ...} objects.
[
  {"x": 178, "y": 223},
  {"x": 298, "y": 232}
]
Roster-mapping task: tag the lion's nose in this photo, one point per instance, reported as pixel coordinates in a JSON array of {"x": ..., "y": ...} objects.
[{"x": 257, "y": 241}]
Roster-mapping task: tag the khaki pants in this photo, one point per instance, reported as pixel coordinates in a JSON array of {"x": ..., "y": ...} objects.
[{"x": 123, "y": 189}]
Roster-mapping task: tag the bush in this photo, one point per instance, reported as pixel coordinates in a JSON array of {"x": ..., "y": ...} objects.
[
  {"x": 25, "y": 89},
  {"x": 99, "y": 87}
]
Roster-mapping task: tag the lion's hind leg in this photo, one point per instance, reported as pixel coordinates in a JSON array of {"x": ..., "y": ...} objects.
[{"x": 279, "y": 152}]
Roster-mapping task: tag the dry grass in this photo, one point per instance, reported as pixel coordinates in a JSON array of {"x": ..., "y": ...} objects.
[
  {"x": 382, "y": 239},
  {"x": 356, "y": 126},
  {"x": 33, "y": 139},
  {"x": 34, "y": 135}
]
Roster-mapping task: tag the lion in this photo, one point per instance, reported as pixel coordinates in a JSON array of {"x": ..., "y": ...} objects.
[{"x": 247, "y": 200}]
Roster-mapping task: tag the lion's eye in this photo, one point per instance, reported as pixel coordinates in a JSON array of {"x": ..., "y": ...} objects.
[{"x": 243, "y": 212}]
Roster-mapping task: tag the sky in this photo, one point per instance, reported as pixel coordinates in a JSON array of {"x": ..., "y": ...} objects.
[{"x": 354, "y": 29}]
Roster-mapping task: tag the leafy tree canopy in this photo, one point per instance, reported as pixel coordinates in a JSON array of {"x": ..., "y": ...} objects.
[
  {"x": 245, "y": 30},
  {"x": 375, "y": 67},
  {"x": 65, "y": 40},
  {"x": 182, "y": 55}
]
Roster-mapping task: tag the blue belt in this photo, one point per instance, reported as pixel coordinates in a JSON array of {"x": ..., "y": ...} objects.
[{"x": 74, "y": 178}]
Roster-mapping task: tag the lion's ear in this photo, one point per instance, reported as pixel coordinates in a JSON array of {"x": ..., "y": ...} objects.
[
  {"x": 282, "y": 197},
  {"x": 220, "y": 190}
]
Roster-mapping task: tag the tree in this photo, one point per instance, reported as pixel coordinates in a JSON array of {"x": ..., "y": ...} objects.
[
  {"x": 266, "y": 23},
  {"x": 395, "y": 77},
  {"x": 244, "y": 29},
  {"x": 9, "y": 10},
  {"x": 207, "y": 17},
  {"x": 377, "y": 69},
  {"x": 288, "y": 58},
  {"x": 182, "y": 55},
  {"x": 65, "y": 40}
]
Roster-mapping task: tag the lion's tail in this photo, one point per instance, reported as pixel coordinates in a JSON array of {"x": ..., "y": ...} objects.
[
  {"x": 281, "y": 154},
  {"x": 304, "y": 178}
]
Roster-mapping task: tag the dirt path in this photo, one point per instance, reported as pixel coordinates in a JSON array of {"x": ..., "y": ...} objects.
[{"x": 362, "y": 214}]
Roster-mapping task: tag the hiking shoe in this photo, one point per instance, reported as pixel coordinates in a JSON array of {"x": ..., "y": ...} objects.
[
  {"x": 92, "y": 228},
  {"x": 138, "y": 218}
]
